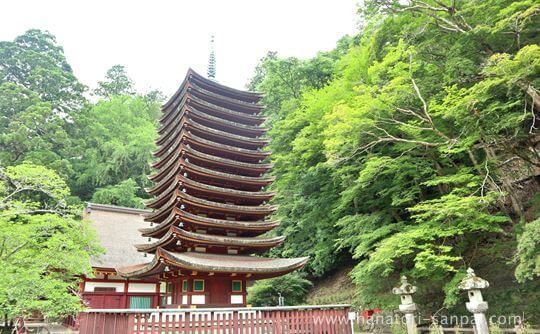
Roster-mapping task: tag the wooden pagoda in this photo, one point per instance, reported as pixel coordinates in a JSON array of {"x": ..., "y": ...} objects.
[{"x": 210, "y": 203}]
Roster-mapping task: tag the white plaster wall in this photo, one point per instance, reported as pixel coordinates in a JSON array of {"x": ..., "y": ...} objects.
[
  {"x": 89, "y": 286},
  {"x": 237, "y": 299},
  {"x": 141, "y": 287},
  {"x": 198, "y": 299}
]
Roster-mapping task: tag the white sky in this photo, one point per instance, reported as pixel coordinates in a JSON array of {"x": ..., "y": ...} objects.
[{"x": 158, "y": 40}]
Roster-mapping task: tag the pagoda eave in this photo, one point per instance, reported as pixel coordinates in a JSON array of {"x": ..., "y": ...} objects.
[
  {"x": 178, "y": 216},
  {"x": 188, "y": 200},
  {"x": 240, "y": 117},
  {"x": 254, "y": 266},
  {"x": 185, "y": 167},
  {"x": 180, "y": 239},
  {"x": 191, "y": 125},
  {"x": 233, "y": 127},
  {"x": 214, "y": 98},
  {"x": 192, "y": 75},
  {"x": 190, "y": 153},
  {"x": 191, "y": 186},
  {"x": 247, "y": 95},
  {"x": 188, "y": 138}
]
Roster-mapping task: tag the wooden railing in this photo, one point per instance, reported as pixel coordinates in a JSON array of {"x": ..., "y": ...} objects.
[{"x": 331, "y": 319}]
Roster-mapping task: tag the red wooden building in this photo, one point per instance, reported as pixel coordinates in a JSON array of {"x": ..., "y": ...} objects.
[
  {"x": 117, "y": 230},
  {"x": 210, "y": 204}
]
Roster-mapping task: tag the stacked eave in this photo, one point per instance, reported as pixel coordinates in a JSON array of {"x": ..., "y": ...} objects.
[{"x": 209, "y": 184}]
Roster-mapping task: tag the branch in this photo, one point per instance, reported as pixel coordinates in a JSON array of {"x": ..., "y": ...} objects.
[
  {"x": 395, "y": 121},
  {"x": 29, "y": 212},
  {"x": 16, "y": 249},
  {"x": 19, "y": 190}
]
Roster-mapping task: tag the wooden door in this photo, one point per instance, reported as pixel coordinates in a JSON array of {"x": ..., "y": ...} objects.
[{"x": 219, "y": 290}]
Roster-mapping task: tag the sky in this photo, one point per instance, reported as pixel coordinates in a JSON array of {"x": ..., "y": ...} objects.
[{"x": 159, "y": 40}]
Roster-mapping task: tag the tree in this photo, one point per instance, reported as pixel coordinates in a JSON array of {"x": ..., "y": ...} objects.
[
  {"x": 45, "y": 248},
  {"x": 31, "y": 130},
  {"x": 116, "y": 139},
  {"x": 116, "y": 82},
  {"x": 122, "y": 194},
  {"x": 528, "y": 252},
  {"x": 36, "y": 62},
  {"x": 292, "y": 287},
  {"x": 286, "y": 79},
  {"x": 412, "y": 158}
]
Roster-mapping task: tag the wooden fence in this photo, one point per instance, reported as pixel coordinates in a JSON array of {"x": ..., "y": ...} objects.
[{"x": 333, "y": 319}]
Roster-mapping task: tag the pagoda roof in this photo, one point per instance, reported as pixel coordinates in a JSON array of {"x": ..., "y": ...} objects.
[
  {"x": 214, "y": 102},
  {"x": 188, "y": 239},
  {"x": 223, "y": 123},
  {"x": 178, "y": 215},
  {"x": 181, "y": 165},
  {"x": 257, "y": 142},
  {"x": 186, "y": 183},
  {"x": 192, "y": 125},
  {"x": 248, "y": 107},
  {"x": 165, "y": 126},
  {"x": 260, "y": 267},
  {"x": 190, "y": 112},
  {"x": 189, "y": 152},
  {"x": 192, "y": 95},
  {"x": 189, "y": 137},
  {"x": 249, "y": 96},
  {"x": 186, "y": 199},
  {"x": 260, "y": 168},
  {"x": 241, "y": 117},
  {"x": 191, "y": 75}
]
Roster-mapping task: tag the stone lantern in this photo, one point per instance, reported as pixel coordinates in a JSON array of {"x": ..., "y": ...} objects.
[
  {"x": 407, "y": 306},
  {"x": 476, "y": 305}
]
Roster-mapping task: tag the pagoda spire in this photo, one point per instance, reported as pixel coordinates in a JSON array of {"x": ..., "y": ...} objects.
[{"x": 212, "y": 60}]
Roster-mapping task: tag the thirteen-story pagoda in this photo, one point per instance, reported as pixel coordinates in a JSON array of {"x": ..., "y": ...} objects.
[{"x": 210, "y": 203}]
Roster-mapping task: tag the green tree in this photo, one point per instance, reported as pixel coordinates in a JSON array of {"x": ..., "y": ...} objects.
[
  {"x": 292, "y": 287},
  {"x": 39, "y": 97},
  {"x": 528, "y": 252},
  {"x": 31, "y": 130},
  {"x": 413, "y": 156},
  {"x": 122, "y": 194},
  {"x": 45, "y": 247},
  {"x": 115, "y": 140},
  {"x": 36, "y": 62},
  {"x": 117, "y": 82}
]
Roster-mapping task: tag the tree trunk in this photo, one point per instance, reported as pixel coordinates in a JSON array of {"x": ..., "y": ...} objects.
[{"x": 506, "y": 185}]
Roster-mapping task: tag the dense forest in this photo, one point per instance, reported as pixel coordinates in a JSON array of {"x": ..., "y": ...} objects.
[
  {"x": 62, "y": 144},
  {"x": 411, "y": 148}
]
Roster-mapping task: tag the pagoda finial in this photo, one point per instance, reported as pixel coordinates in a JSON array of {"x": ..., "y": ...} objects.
[{"x": 212, "y": 60}]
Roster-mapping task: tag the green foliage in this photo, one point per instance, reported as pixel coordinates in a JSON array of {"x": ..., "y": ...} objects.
[
  {"x": 36, "y": 62},
  {"x": 46, "y": 120},
  {"x": 39, "y": 95},
  {"x": 408, "y": 156},
  {"x": 285, "y": 79},
  {"x": 122, "y": 194},
  {"x": 45, "y": 248},
  {"x": 116, "y": 140},
  {"x": 116, "y": 82},
  {"x": 528, "y": 252},
  {"x": 293, "y": 287}
]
